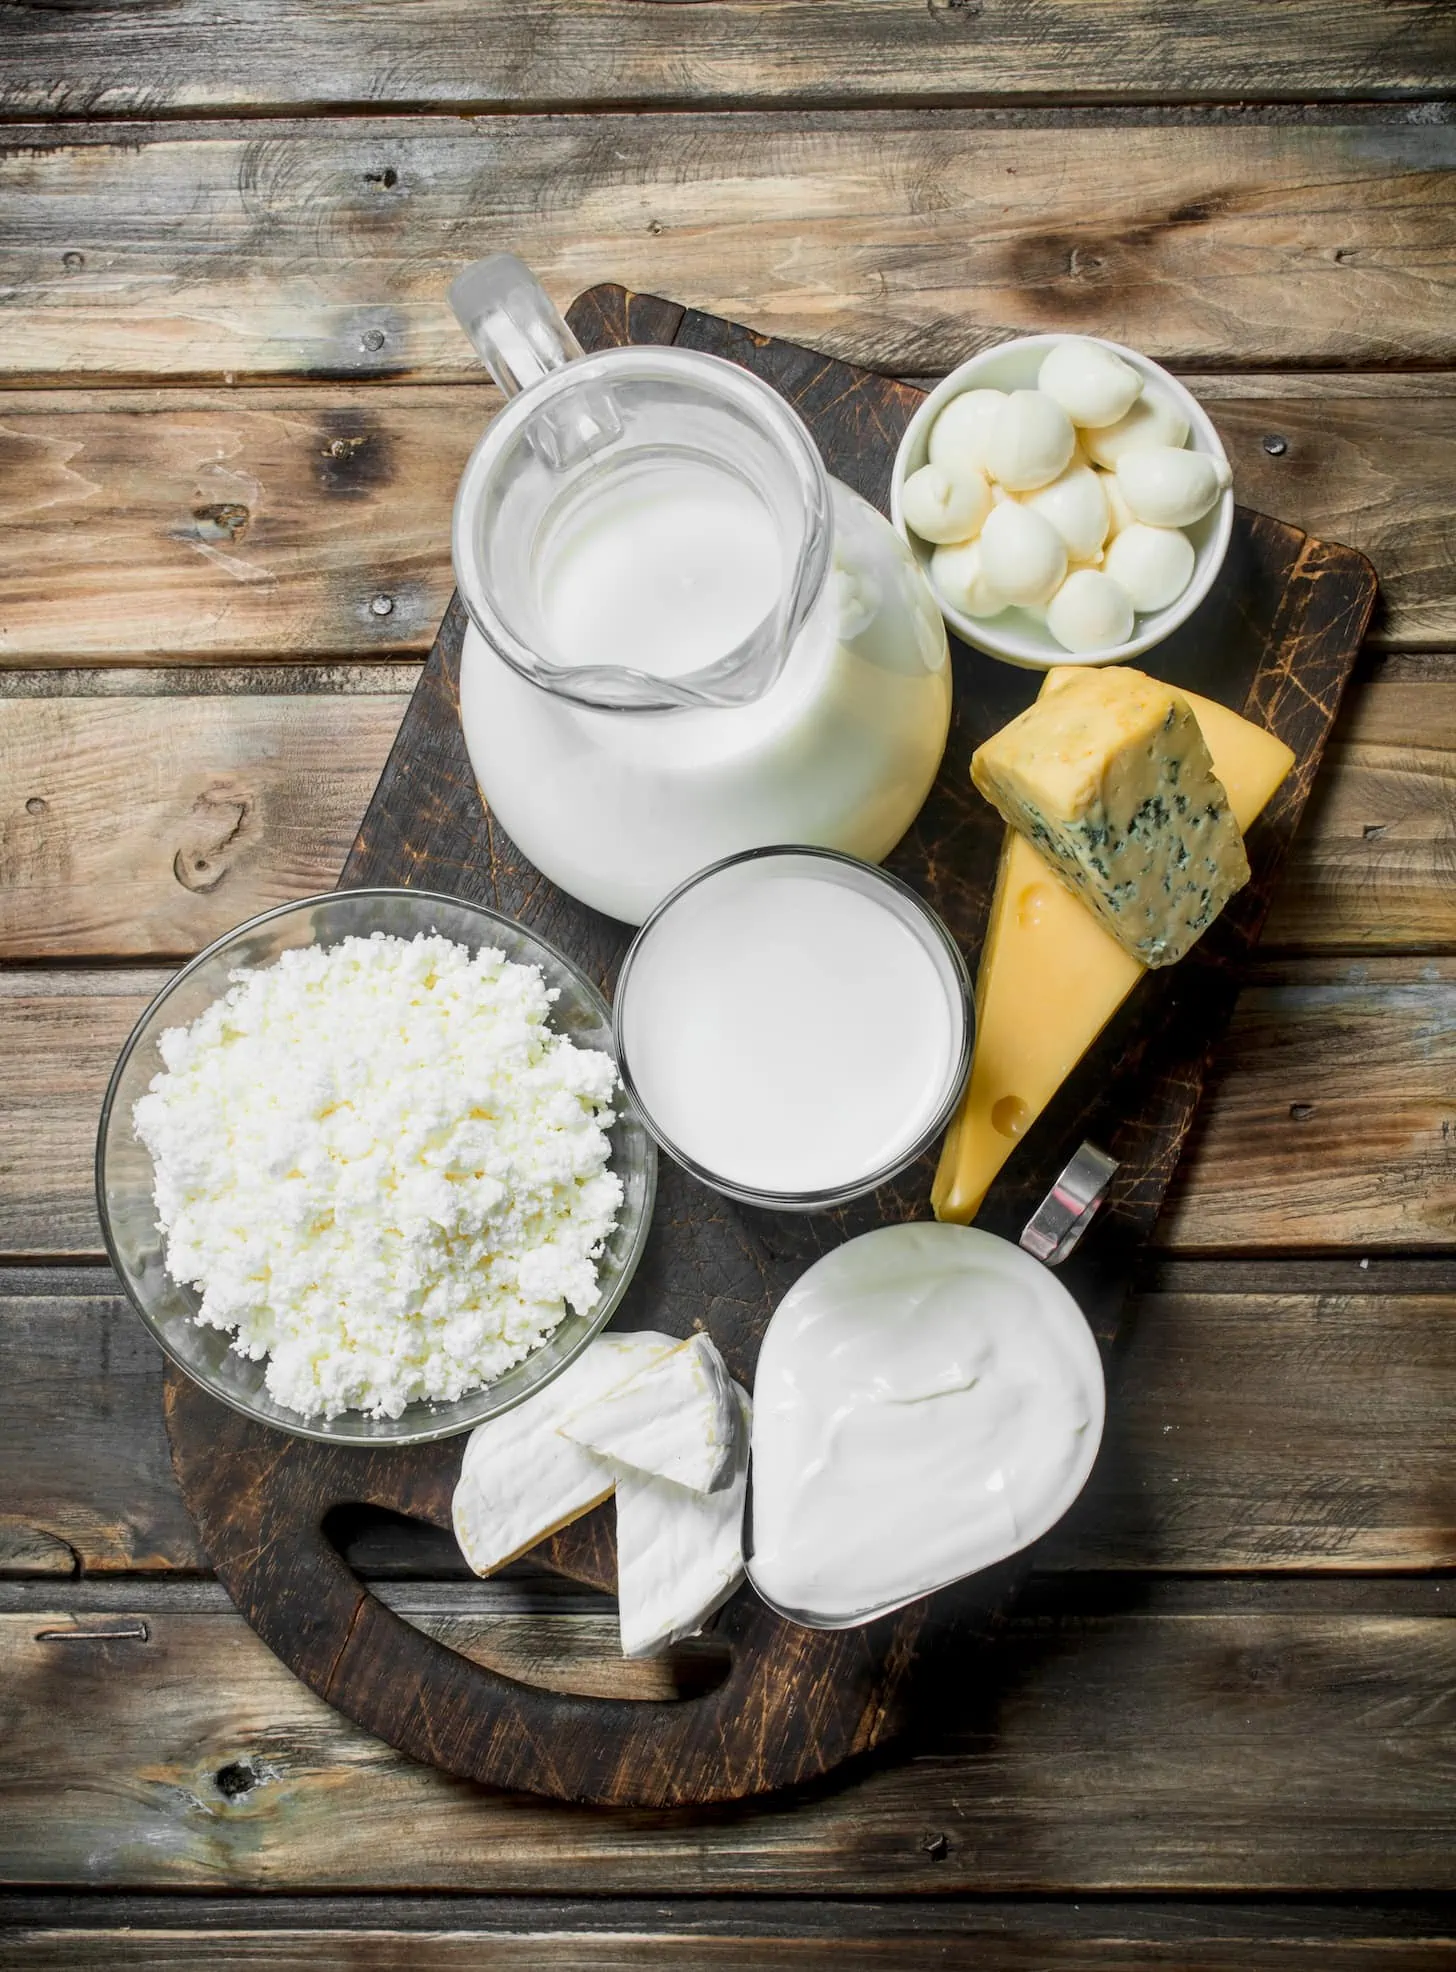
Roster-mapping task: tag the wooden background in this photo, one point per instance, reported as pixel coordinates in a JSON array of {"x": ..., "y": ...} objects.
[{"x": 1222, "y": 1731}]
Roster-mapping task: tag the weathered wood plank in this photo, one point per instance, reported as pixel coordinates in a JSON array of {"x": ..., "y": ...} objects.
[
  {"x": 1250, "y": 1431},
  {"x": 1293, "y": 1149},
  {"x": 449, "y": 54},
  {"x": 464, "y": 1934},
  {"x": 279, "y": 523},
  {"x": 147, "y": 827},
  {"x": 288, "y": 523},
  {"x": 1124, "y": 1750},
  {"x": 1329, "y": 1123},
  {"x": 141, "y": 827},
  {"x": 899, "y": 239}
]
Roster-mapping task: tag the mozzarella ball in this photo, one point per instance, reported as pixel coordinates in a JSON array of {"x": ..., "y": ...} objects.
[
  {"x": 1030, "y": 441},
  {"x": 1168, "y": 487},
  {"x": 1119, "y": 513},
  {"x": 1090, "y": 612},
  {"x": 1093, "y": 386},
  {"x": 1153, "y": 420},
  {"x": 945, "y": 506},
  {"x": 959, "y": 578},
  {"x": 1076, "y": 505},
  {"x": 1153, "y": 564},
  {"x": 1022, "y": 553},
  {"x": 958, "y": 436}
]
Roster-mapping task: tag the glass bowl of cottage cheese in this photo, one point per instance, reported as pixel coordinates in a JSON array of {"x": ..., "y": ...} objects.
[{"x": 366, "y": 1171}]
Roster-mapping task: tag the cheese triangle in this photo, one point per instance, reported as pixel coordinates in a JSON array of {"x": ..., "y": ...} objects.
[
  {"x": 676, "y": 1418},
  {"x": 1051, "y": 977},
  {"x": 520, "y": 1479},
  {"x": 679, "y": 1552}
]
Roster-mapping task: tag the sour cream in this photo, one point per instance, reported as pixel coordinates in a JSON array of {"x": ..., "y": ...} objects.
[{"x": 929, "y": 1400}]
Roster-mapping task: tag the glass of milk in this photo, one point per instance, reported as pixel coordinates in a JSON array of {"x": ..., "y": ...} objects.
[{"x": 794, "y": 1026}]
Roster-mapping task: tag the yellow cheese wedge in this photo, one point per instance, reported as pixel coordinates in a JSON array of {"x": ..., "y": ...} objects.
[{"x": 1051, "y": 977}]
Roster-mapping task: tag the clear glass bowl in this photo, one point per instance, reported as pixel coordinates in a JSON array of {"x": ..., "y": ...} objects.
[{"x": 124, "y": 1178}]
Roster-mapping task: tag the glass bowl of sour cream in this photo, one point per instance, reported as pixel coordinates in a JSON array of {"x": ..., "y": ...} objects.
[
  {"x": 126, "y": 1177},
  {"x": 794, "y": 1026}
]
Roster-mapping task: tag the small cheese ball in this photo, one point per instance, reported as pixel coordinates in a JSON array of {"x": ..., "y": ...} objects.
[
  {"x": 958, "y": 575},
  {"x": 1169, "y": 487},
  {"x": 1093, "y": 386},
  {"x": 1022, "y": 553},
  {"x": 958, "y": 436},
  {"x": 1031, "y": 440},
  {"x": 1153, "y": 564},
  {"x": 940, "y": 505},
  {"x": 1090, "y": 612},
  {"x": 1119, "y": 513},
  {"x": 1153, "y": 420},
  {"x": 1076, "y": 505}
]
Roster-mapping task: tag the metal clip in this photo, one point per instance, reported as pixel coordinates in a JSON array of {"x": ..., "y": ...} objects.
[{"x": 1055, "y": 1228}]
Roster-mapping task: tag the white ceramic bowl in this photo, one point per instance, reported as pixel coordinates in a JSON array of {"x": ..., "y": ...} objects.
[{"x": 1016, "y": 635}]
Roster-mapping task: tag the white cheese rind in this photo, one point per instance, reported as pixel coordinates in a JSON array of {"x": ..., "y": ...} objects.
[
  {"x": 679, "y": 1553},
  {"x": 1109, "y": 777},
  {"x": 520, "y": 1479},
  {"x": 676, "y": 1419}
]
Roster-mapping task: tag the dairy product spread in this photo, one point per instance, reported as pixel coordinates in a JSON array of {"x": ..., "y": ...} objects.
[
  {"x": 928, "y": 1400},
  {"x": 382, "y": 1170}
]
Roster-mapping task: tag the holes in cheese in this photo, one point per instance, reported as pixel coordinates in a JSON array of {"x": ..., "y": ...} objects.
[{"x": 1051, "y": 977}]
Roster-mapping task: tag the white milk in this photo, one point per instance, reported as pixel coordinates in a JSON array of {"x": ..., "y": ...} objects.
[
  {"x": 788, "y": 1031},
  {"x": 928, "y": 1400},
  {"x": 671, "y": 571}
]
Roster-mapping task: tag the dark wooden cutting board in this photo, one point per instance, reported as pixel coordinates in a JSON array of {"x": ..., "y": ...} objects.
[{"x": 1277, "y": 640}]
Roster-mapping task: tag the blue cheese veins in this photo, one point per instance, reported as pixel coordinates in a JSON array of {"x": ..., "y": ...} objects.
[{"x": 1110, "y": 778}]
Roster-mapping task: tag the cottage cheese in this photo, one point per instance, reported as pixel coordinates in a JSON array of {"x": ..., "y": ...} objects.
[{"x": 382, "y": 1170}]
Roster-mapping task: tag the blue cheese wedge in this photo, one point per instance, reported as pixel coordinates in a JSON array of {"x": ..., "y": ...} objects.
[
  {"x": 676, "y": 1418},
  {"x": 679, "y": 1552},
  {"x": 1108, "y": 775},
  {"x": 520, "y": 1479}
]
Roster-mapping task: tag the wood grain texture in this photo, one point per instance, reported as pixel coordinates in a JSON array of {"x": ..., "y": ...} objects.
[
  {"x": 1287, "y": 1152},
  {"x": 1259, "y": 1749},
  {"x": 142, "y": 524},
  {"x": 125, "y": 61},
  {"x": 146, "y": 827},
  {"x": 902, "y": 240},
  {"x": 145, "y": 526},
  {"x": 1250, "y": 1430},
  {"x": 468, "y": 1934},
  {"x": 140, "y": 826}
]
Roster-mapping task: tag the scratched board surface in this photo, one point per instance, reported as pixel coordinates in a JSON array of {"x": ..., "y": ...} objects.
[{"x": 1277, "y": 639}]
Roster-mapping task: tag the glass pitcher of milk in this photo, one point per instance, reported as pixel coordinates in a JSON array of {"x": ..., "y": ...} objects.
[{"x": 685, "y": 639}]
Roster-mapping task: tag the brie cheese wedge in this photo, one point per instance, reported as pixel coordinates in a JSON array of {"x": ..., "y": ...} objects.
[
  {"x": 679, "y": 1552},
  {"x": 676, "y": 1418},
  {"x": 520, "y": 1479}
]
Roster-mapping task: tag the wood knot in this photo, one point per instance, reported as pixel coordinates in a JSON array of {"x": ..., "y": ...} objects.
[
  {"x": 1301, "y": 1112},
  {"x": 36, "y": 805},
  {"x": 226, "y": 521},
  {"x": 234, "y": 1780},
  {"x": 217, "y": 819}
]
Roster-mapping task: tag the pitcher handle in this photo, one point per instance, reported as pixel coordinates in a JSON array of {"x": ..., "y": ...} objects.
[{"x": 512, "y": 321}]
